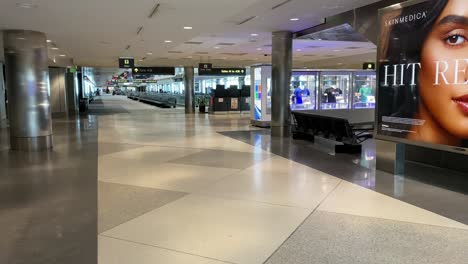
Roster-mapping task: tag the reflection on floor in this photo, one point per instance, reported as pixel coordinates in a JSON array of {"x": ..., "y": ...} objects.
[
  {"x": 175, "y": 190},
  {"x": 48, "y": 200},
  {"x": 441, "y": 191}
]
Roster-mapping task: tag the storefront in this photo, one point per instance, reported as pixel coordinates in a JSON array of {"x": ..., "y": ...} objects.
[{"x": 332, "y": 89}]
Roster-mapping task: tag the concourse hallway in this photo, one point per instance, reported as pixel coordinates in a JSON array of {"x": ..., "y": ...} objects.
[{"x": 173, "y": 188}]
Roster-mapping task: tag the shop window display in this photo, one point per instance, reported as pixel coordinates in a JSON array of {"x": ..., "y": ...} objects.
[
  {"x": 335, "y": 90},
  {"x": 364, "y": 91},
  {"x": 303, "y": 91}
]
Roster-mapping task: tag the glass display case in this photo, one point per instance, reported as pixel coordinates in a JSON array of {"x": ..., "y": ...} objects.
[
  {"x": 364, "y": 89},
  {"x": 335, "y": 90},
  {"x": 332, "y": 89},
  {"x": 303, "y": 91}
]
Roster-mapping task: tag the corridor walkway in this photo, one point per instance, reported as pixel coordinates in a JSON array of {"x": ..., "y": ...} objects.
[{"x": 172, "y": 189}]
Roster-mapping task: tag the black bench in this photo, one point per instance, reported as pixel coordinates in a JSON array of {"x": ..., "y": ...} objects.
[
  {"x": 308, "y": 125},
  {"x": 160, "y": 101}
]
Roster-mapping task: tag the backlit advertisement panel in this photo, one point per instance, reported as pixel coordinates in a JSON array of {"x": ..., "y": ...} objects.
[{"x": 423, "y": 75}]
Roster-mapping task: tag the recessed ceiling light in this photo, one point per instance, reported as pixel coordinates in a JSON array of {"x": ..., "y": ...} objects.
[
  {"x": 188, "y": 28},
  {"x": 298, "y": 50},
  {"x": 319, "y": 39},
  {"x": 49, "y": 41},
  {"x": 336, "y": 50},
  {"x": 253, "y": 34},
  {"x": 168, "y": 41},
  {"x": 21, "y": 38},
  {"x": 62, "y": 55},
  {"x": 294, "y": 19},
  {"x": 141, "y": 60},
  {"x": 54, "y": 48},
  {"x": 149, "y": 53},
  {"x": 340, "y": 63},
  {"x": 26, "y": 5},
  {"x": 259, "y": 48},
  {"x": 216, "y": 47}
]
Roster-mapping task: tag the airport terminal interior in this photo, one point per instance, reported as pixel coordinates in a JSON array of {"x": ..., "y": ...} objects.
[{"x": 241, "y": 132}]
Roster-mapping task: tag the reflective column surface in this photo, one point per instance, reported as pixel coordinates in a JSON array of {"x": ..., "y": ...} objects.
[
  {"x": 48, "y": 200},
  {"x": 281, "y": 72},
  {"x": 27, "y": 76},
  {"x": 189, "y": 90}
]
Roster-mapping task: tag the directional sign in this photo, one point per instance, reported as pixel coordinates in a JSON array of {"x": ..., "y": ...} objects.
[
  {"x": 154, "y": 70},
  {"x": 126, "y": 63},
  {"x": 204, "y": 68},
  {"x": 368, "y": 66},
  {"x": 224, "y": 72}
]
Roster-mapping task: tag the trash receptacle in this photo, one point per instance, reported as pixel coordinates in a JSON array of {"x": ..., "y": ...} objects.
[{"x": 84, "y": 105}]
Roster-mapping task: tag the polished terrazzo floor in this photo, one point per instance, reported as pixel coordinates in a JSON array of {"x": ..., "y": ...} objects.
[{"x": 174, "y": 189}]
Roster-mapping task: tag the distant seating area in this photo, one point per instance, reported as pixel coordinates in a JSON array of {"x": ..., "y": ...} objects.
[
  {"x": 160, "y": 100},
  {"x": 308, "y": 125}
]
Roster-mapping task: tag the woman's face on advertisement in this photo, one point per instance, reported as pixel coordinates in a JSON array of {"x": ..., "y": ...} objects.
[{"x": 445, "y": 95}]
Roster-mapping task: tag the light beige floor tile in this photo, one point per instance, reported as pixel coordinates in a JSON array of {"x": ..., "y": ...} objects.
[
  {"x": 114, "y": 251},
  {"x": 230, "y": 230},
  {"x": 352, "y": 199},
  {"x": 138, "y": 161},
  {"x": 281, "y": 165},
  {"x": 306, "y": 189},
  {"x": 168, "y": 176}
]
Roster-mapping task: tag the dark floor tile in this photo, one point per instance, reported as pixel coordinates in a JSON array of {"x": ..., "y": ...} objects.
[
  {"x": 222, "y": 159},
  {"x": 120, "y": 203},
  {"x": 344, "y": 239}
]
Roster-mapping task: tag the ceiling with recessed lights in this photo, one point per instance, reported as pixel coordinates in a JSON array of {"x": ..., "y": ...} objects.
[{"x": 182, "y": 32}]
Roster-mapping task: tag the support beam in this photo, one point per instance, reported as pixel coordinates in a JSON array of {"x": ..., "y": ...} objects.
[
  {"x": 189, "y": 90},
  {"x": 27, "y": 76},
  {"x": 281, "y": 81}
]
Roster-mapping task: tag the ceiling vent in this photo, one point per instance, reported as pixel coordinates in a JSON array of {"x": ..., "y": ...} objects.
[
  {"x": 246, "y": 20},
  {"x": 225, "y": 44},
  {"x": 235, "y": 54},
  {"x": 268, "y": 46},
  {"x": 162, "y": 58},
  {"x": 309, "y": 55},
  {"x": 280, "y": 4},
  {"x": 201, "y": 52},
  {"x": 175, "y": 52},
  {"x": 329, "y": 56},
  {"x": 154, "y": 10},
  {"x": 314, "y": 47},
  {"x": 193, "y": 42}
]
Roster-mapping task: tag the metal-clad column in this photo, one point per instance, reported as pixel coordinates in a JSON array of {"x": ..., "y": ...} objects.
[
  {"x": 3, "y": 115},
  {"x": 281, "y": 81},
  {"x": 71, "y": 94},
  {"x": 189, "y": 90},
  {"x": 27, "y": 76}
]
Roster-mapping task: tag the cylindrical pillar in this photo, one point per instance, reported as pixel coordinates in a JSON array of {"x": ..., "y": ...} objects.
[
  {"x": 70, "y": 93},
  {"x": 189, "y": 90},
  {"x": 281, "y": 79},
  {"x": 27, "y": 76},
  {"x": 3, "y": 114}
]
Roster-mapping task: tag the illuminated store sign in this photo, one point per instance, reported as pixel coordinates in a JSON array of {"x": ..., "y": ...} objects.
[
  {"x": 423, "y": 74},
  {"x": 368, "y": 66},
  {"x": 224, "y": 72}
]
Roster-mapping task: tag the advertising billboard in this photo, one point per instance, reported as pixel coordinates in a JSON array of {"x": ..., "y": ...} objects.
[{"x": 422, "y": 74}]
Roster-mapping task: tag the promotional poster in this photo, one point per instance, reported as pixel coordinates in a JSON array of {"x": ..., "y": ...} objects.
[{"x": 423, "y": 75}]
